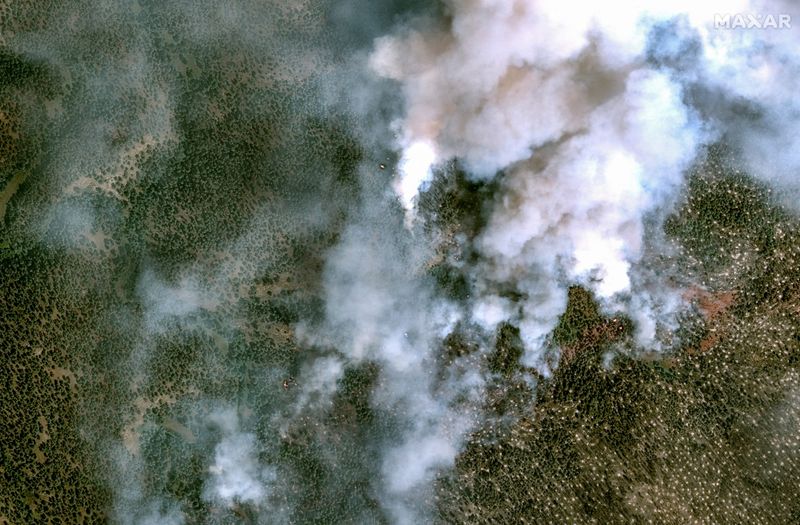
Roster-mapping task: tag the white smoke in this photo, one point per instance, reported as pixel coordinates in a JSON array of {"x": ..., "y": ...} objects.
[
  {"x": 132, "y": 505},
  {"x": 320, "y": 380},
  {"x": 759, "y": 68},
  {"x": 237, "y": 476},
  {"x": 591, "y": 136},
  {"x": 579, "y": 107},
  {"x": 380, "y": 310},
  {"x": 581, "y": 214},
  {"x": 416, "y": 168},
  {"x": 164, "y": 302}
]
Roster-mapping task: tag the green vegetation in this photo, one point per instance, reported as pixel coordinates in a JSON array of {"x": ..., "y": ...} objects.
[
  {"x": 150, "y": 140},
  {"x": 706, "y": 434},
  {"x": 147, "y": 146}
]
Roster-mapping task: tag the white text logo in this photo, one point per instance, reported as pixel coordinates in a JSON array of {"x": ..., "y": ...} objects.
[{"x": 751, "y": 21}]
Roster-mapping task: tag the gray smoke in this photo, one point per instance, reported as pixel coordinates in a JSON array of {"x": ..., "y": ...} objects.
[
  {"x": 592, "y": 129},
  {"x": 586, "y": 115},
  {"x": 592, "y": 114},
  {"x": 380, "y": 309},
  {"x": 236, "y": 473}
]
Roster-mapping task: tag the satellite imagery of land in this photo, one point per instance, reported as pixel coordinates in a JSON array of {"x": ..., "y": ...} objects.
[{"x": 399, "y": 262}]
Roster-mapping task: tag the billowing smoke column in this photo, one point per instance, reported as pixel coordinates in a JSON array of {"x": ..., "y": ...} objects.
[
  {"x": 578, "y": 105},
  {"x": 589, "y": 115},
  {"x": 592, "y": 113}
]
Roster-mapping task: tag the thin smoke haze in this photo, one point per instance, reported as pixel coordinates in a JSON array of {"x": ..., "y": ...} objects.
[{"x": 330, "y": 241}]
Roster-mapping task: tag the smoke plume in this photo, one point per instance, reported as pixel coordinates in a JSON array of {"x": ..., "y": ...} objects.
[
  {"x": 270, "y": 260},
  {"x": 592, "y": 114},
  {"x": 588, "y": 115}
]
